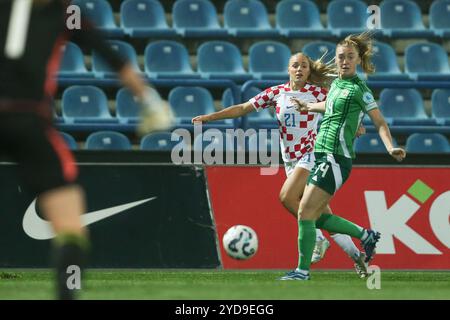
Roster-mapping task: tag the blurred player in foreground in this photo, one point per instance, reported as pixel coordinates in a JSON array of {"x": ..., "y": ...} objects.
[{"x": 32, "y": 33}]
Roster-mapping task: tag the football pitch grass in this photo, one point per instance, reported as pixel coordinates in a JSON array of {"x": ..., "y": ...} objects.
[{"x": 227, "y": 285}]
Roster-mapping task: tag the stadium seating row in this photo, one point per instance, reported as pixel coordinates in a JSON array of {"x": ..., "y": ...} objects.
[
  {"x": 162, "y": 141},
  {"x": 294, "y": 18},
  {"x": 167, "y": 59},
  {"x": 89, "y": 104}
]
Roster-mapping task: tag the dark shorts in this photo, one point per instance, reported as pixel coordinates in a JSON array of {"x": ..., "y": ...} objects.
[
  {"x": 330, "y": 171},
  {"x": 45, "y": 161}
]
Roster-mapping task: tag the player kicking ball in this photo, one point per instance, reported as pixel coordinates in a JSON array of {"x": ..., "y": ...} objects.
[
  {"x": 298, "y": 131},
  {"x": 348, "y": 100}
]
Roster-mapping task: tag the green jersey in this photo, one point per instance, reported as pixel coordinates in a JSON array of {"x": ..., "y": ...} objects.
[{"x": 346, "y": 104}]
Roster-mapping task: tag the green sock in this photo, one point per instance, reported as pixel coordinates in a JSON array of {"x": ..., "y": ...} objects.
[
  {"x": 306, "y": 243},
  {"x": 336, "y": 224}
]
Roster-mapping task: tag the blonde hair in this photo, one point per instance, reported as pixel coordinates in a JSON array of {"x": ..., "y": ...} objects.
[
  {"x": 321, "y": 73},
  {"x": 363, "y": 43}
]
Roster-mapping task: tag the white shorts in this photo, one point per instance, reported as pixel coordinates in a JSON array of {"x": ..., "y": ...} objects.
[{"x": 306, "y": 162}]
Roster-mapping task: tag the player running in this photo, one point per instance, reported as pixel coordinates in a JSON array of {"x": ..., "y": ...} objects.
[
  {"x": 348, "y": 100},
  {"x": 298, "y": 130},
  {"x": 31, "y": 36}
]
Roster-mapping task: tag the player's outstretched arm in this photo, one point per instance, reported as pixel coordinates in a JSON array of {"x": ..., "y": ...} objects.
[
  {"x": 231, "y": 112},
  {"x": 383, "y": 130}
]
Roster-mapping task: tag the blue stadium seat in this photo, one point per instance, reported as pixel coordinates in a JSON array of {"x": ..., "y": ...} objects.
[
  {"x": 72, "y": 63},
  {"x": 316, "y": 49},
  {"x": 127, "y": 107},
  {"x": 144, "y": 18},
  {"x": 370, "y": 143},
  {"x": 440, "y": 18},
  {"x": 101, "y": 68},
  {"x": 188, "y": 102},
  {"x": 85, "y": 104},
  {"x": 159, "y": 141},
  {"x": 168, "y": 59},
  {"x": 221, "y": 60},
  {"x": 227, "y": 98},
  {"x": 427, "y": 61},
  {"x": 249, "y": 93},
  {"x": 427, "y": 143},
  {"x": 107, "y": 140},
  {"x": 196, "y": 18},
  {"x": 440, "y": 106},
  {"x": 385, "y": 61},
  {"x": 404, "y": 107},
  {"x": 247, "y": 18},
  {"x": 346, "y": 16},
  {"x": 70, "y": 141},
  {"x": 269, "y": 60},
  {"x": 402, "y": 19},
  {"x": 299, "y": 19},
  {"x": 100, "y": 13}
]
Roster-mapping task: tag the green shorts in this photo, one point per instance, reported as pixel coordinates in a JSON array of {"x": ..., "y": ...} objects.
[{"x": 330, "y": 171}]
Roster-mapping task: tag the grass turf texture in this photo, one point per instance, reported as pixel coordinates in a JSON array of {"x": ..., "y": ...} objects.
[{"x": 235, "y": 285}]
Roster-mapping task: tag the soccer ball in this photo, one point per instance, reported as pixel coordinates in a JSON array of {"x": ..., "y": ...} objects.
[{"x": 240, "y": 242}]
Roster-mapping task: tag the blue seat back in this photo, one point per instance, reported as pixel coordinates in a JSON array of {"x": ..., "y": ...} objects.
[
  {"x": 72, "y": 60},
  {"x": 99, "y": 12},
  {"x": 107, "y": 140},
  {"x": 426, "y": 58},
  {"x": 346, "y": 14},
  {"x": 400, "y": 14},
  {"x": 370, "y": 143},
  {"x": 317, "y": 49},
  {"x": 84, "y": 102},
  {"x": 440, "y": 14},
  {"x": 297, "y": 14},
  {"x": 194, "y": 14},
  {"x": 188, "y": 102},
  {"x": 427, "y": 143},
  {"x": 384, "y": 58},
  {"x": 219, "y": 56},
  {"x": 269, "y": 56},
  {"x": 124, "y": 49},
  {"x": 69, "y": 140},
  {"x": 402, "y": 103},
  {"x": 227, "y": 98},
  {"x": 127, "y": 106},
  {"x": 142, "y": 14},
  {"x": 440, "y": 103},
  {"x": 167, "y": 56},
  {"x": 245, "y": 14},
  {"x": 159, "y": 141}
]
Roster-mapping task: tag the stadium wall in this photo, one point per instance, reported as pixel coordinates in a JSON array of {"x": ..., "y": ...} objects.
[
  {"x": 410, "y": 206},
  {"x": 194, "y": 205}
]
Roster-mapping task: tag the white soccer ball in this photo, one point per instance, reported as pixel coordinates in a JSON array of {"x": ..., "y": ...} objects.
[{"x": 240, "y": 242}]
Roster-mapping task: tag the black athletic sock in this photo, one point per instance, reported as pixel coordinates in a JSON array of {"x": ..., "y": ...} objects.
[{"x": 70, "y": 254}]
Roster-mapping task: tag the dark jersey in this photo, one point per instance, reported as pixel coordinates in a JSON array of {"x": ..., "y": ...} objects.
[{"x": 31, "y": 77}]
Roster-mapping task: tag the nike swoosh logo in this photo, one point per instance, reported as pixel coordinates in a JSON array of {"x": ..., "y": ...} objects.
[{"x": 37, "y": 228}]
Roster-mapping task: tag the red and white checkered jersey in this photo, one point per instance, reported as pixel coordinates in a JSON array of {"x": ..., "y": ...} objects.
[{"x": 298, "y": 130}]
